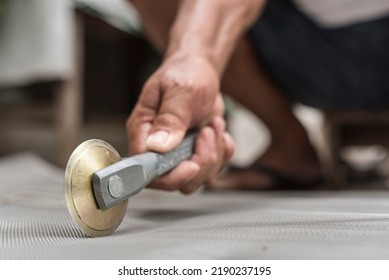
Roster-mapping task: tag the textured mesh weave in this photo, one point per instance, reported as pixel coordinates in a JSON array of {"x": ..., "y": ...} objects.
[{"x": 35, "y": 224}]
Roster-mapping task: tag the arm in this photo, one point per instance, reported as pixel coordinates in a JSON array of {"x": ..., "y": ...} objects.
[
  {"x": 211, "y": 28},
  {"x": 184, "y": 92}
]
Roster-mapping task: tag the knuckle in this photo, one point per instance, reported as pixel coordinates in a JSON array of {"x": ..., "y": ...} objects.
[
  {"x": 184, "y": 82},
  {"x": 169, "y": 80}
]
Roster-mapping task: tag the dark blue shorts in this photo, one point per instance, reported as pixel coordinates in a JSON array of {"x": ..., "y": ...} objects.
[{"x": 327, "y": 68}]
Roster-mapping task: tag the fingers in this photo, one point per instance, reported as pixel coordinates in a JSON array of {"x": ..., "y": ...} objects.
[
  {"x": 213, "y": 148},
  {"x": 229, "y": 147},
  {"x": 171, "y": 123},
  {"x": 158, "y": 124},
  {"x": 176, "y": 178},
  {"x": 207, "y": 157}
]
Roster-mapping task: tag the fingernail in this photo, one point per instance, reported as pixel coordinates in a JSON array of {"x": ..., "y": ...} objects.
[{"x": 158, "y": 138}]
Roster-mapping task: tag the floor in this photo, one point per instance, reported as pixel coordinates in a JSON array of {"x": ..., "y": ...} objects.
[{"x": 35, "y": 223}]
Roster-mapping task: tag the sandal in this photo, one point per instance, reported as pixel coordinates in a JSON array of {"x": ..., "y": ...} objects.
[{"x": 280, "y": 180}]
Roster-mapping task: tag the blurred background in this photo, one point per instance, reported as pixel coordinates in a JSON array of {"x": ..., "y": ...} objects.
[{"x": 71, "y": 70}]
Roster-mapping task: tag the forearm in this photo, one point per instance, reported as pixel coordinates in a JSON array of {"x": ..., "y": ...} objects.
[{"x": 211, "y": 28}]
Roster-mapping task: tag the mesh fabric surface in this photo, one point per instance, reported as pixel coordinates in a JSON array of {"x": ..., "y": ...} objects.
[{"x": 35, "y": 223}]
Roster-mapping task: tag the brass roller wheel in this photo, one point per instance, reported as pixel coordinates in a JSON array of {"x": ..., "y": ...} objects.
[{"x": 88, "y": 157}]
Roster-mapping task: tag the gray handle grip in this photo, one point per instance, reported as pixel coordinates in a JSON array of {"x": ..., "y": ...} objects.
[
  {"x": 156, "y": 164},
  {"x": 182, "y": 152}
]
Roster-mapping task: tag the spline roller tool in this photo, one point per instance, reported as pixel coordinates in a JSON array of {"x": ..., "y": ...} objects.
[{"x": 98, "y": 182}]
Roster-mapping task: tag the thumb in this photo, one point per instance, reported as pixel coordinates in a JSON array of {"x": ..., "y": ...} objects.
[{"x": 170, "y": 125}]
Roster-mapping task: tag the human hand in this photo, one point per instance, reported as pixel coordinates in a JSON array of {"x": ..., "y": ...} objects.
[{"x": 182, "y": 94}]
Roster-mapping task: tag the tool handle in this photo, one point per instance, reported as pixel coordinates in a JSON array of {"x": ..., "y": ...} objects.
[
  {"x": 182, "y": 152},
  {"x": 129, "y": 176},
  {"x": 156, "y": 164}
]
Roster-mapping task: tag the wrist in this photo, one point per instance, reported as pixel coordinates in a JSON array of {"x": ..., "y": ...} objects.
[{"x": 203, "y": 55}]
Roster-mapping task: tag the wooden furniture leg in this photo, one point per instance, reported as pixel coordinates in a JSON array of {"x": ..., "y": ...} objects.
[{"x": 70, "y": 99}]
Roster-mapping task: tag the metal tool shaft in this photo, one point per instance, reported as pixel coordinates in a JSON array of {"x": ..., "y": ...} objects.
[{"x": 127, "y": 177}]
